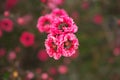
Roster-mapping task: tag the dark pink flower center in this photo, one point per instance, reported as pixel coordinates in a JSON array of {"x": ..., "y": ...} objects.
[
  {"x": 46, "y": 22},
  {"x": 67, "y": 44},
  {"x": 27, "y": 38},
  {"x": 54, "y": 46},
  {"x": 6, "y": 24},
  {"x": 60, "y": 27}
]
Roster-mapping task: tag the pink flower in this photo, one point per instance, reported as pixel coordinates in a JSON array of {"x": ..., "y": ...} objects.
[
  {"x": 6, "y": 24},
  {"x": 44, "y": 76},
  {"x": 24, "y": 20},
  {"x": 2, "y": 52},
  {"x": 97, "y": 19},
  {"x": 116, "y": 51},
  {"x": 69, "y": 44},
  {"x": 42, "y": 55},
  {"x": 62, "y": 69},
  {"x": 30, "y": 75},
  {"x": 6, "y": 13},
  {"x": 63, "y": 24},
  {"x": 58, "y": 12},
  {"x": 52, "y": 47},
  {"x": 52, "y": 71},
  {"x": 52, "y": 4},
  {"x": 44, "y": 23},
  {"x": 57, "y": 2},
  {"x": 27, "y": 39},
  {"x": 12, "y": 55},
  {"x": 10, "y": 4},
  {"x": 85, "y": 5}
]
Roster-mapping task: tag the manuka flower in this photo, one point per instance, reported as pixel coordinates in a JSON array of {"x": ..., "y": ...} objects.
[
  {"x": 68, "y": 44},
  {"x": 6, "y": 25},
  {"x": 44, "y": 23},
  {"x": 27, "y": 39},
  {"x": 52, "y": 47},
  {"x": 63, "y": 24}
]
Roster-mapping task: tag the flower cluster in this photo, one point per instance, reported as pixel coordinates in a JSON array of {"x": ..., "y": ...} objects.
[{"x": 61, "y": 40}]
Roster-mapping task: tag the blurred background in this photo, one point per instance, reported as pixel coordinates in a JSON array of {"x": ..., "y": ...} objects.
[{"x": 98, "y": 56}]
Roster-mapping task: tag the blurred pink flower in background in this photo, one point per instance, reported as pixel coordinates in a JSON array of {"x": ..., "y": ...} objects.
[
  {"x": 42, "y": 55},
  {"x": 58, "y": 12},
  {"x": 52, "y": 4},
  {"x": 44, "y": 23},
  {"x": 116, "y": 51},
  {"x": 85, "y": 5},
  {"x": 52, "y": 70},
  {"x": 12, "y": 55},
  {"x": 24, "y": 20},
  {"x": 6, "y": 13},
  {"x": 30, "y": 75},
  {"x": 98, "y": 19},
  {"x": 6, "y": 24},
  {"x": 62, "y": 69},
  {"x": 2, "y": 52},
  {"x": 10, "y": 4},
  {"x": 27, "y": 39},
  {"x": 44, "y": 76}
]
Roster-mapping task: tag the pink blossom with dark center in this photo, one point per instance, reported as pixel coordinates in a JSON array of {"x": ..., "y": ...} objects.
[
  {"x": 6, "y": 24},
  {"x": 58, "y": 12},
  {"x": 68, "y": 44},
  {"x": 44, "y": 23},
  {"x": 52, "y": 47},
  {"x": 98, "y": 19},
  {"x": 42, "y": 55},
  {"x": 62, "y": 25},
  {"x": 27, "y": 39}
]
